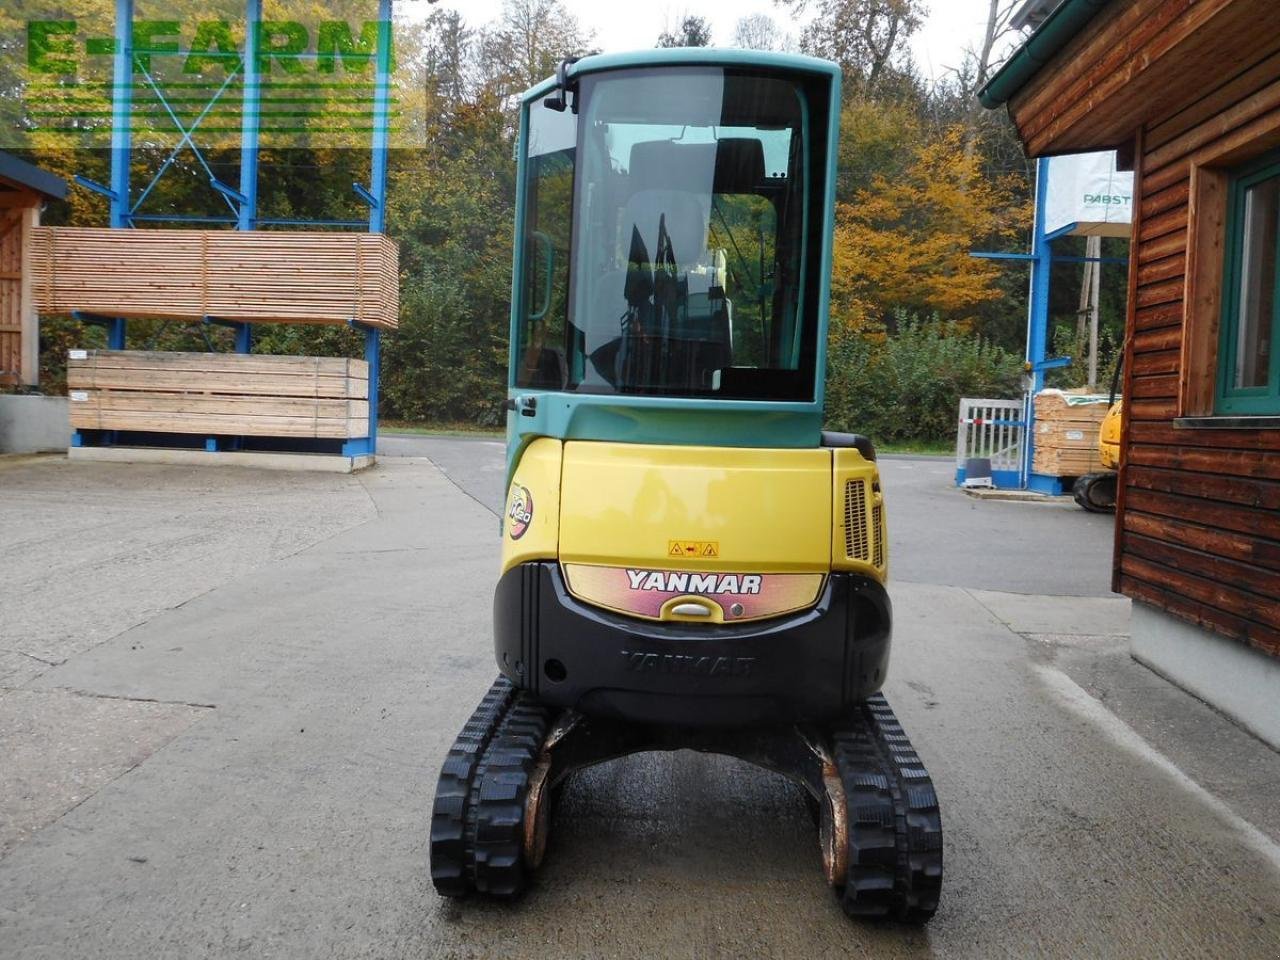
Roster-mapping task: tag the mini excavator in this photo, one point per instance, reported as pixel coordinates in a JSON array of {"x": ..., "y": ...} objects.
[{"x": 688, "y": 560}]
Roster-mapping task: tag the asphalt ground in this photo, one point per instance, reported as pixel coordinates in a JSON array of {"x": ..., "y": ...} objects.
[{"x": 224, "y": 743}]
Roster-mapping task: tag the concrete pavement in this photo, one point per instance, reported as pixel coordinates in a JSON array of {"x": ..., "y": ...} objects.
[{"x": 275, "y": 799}]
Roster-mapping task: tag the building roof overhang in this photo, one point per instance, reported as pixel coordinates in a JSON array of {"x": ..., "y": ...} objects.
[
  {"x": 17, "y": 174},
  {"x": 1097, "y": 71}
]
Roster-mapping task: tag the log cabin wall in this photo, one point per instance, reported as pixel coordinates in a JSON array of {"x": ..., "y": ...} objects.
[
  {"x": 19, "y": 350},
  {"x": 1198, "y": 526},
  {"x": 1188, "y": 90},
  {"x": 10, "y": 297}
]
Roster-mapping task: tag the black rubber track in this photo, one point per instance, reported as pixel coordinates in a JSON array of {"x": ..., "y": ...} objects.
[
  {"x": 495, "y": 814},
  {"x": 895, "y": 828},
  {"x": 450, "y": 871}
]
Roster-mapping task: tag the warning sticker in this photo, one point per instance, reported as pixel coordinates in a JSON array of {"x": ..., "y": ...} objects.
[{"x": 693, "y": 549}]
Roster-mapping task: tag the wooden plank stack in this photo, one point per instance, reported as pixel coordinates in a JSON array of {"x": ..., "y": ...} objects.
[
  {"x": 214, "y": 394},
  {"x": 1066, "y": 436},
  {"x": 249, "y": 276}
]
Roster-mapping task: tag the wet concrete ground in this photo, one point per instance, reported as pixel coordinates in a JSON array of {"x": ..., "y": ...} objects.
[{"x": 261, "y": 781}]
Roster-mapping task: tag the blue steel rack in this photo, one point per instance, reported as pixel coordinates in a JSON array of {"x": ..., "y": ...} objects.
[
  {"x": 1041, "y": 260},
  {"x": 242, "y": 203}
]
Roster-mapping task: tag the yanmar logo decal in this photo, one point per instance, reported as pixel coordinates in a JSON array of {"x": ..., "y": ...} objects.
[
  {"x": 730, "y": 597},
  {"x": 673, "y": 581},
  {"x": 519, "y": 511},
  {"x": 637, "y": 661}
]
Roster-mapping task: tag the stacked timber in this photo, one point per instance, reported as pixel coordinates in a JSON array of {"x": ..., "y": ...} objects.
[
  {"x": 1066, "y": 436},
  {"x": 214, "y": 394},
  {"x": 249, "y": 276}
]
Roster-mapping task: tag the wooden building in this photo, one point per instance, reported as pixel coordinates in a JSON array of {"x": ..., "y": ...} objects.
[
  {"x": 23, "y": 191},
  {"x": 1189, "y": 92}
]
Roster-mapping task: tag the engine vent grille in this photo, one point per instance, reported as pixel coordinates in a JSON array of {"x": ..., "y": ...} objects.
[
  {"x": 856, "y": 545},
  {"x": 877, "y": 528}
]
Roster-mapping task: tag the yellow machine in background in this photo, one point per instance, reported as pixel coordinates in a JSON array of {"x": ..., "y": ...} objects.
[
  {"x": 1096, "y": 492},
  {"x": 1109, "y": 437}
]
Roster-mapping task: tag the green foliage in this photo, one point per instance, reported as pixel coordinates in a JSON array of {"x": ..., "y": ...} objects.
[
  {"x": 1076, "y": 374},
  {"x": 449, "y": 364},
  {"x": 1067, "y": 336},
  {"x": 905, "y": 388}
]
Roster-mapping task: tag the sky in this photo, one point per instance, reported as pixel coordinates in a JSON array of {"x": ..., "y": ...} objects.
[{"x": 950, "y": 27}]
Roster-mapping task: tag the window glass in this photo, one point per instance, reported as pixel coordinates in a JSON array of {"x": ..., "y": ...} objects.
[
  {"x": 548, "y": 216},
  {"x": 1257, "y": 293},
  {"x": 687, "y": 271},
  {"x": 1249, "y": 368},
  {"x": 691, "y": 219}
]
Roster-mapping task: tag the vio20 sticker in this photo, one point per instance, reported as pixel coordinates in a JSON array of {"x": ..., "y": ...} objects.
[{"x": 519, "y": 511}]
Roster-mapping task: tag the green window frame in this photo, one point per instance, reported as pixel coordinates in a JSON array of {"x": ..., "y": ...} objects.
[{"x": 1260, "y": 399}]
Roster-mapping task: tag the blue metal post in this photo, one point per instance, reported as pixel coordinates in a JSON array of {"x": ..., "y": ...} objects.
[
  {"x": 1041, "y": 272},
  {"x": 373, "y": 354},
  {"x": 121, "y": 137},
  {"x": 121, "y": 113},
  {"x": 378, "y": 202},
  {"x": 251, "y": 100},
  {"x": 381, "y": 114},
  {"x": 1037, "y": 317},
  {"x": 1038, "y": 330},
  {"x": 116, "y": 334}
]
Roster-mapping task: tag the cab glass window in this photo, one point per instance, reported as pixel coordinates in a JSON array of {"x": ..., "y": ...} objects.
[
  {"x": 543, "y": 289},
  {"x": 695, "y": 211}
]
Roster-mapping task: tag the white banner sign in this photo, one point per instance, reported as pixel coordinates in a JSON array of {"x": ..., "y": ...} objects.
[{"x": 1087, "y": 189}]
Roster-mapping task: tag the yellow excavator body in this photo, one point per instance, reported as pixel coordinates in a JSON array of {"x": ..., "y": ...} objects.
[
  {"x": 1109, "y": 437},
  {"x": 1096, "y": 492}
]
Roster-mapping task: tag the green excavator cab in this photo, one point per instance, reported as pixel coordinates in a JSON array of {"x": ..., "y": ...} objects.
[{"x": 673, "y": 246}]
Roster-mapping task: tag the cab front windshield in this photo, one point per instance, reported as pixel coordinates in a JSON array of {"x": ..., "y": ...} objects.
[{"x": 665, "y": 230}]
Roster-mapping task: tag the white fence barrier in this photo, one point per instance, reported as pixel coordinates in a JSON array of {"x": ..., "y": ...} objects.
[{"x": 994, "y": 430}]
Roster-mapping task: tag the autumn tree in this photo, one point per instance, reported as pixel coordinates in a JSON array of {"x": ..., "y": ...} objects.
[
  {"x": 759, "y": 31},
  {"x": 527, "y": 43},
  {"x": 904, "y": 241},
  {"x": 692, "y": 32},
  {"x": 972, "y": 73},
  {"x": 446, "y": 54},
  {"x": 867, "y": 38}
]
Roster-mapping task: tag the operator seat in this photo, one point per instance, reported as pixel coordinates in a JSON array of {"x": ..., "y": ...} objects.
[{"x": 671, "y": 184}]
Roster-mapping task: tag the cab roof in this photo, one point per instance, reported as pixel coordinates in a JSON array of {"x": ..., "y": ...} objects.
[{"x": 689, "y": 57}]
